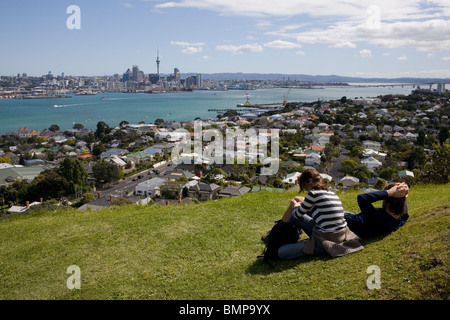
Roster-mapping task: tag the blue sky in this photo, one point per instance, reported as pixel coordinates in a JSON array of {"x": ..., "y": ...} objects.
[{"x": 367, "y": 38}]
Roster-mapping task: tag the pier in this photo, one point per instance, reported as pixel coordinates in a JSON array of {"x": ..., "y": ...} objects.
[{"x": 228, "y": 109}]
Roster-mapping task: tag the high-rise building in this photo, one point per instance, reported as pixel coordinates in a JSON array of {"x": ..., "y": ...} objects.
[
  {"x": 135, "y": 73},
  {"x": 199, "y": 81},
  {"x": 176, "y": 74},
  {"x": 127, "y": 76}
]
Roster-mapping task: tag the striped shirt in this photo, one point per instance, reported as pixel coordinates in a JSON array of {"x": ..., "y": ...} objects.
[{"x": 325, "y": 208}]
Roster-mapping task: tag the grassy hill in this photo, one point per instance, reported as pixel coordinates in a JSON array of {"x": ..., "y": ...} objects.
[{"x": 209, "y": 251}]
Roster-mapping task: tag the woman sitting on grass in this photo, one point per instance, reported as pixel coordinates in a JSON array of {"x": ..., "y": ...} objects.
[
  {"x": 378, "y": 221},
  {"x": 321, "y": 216}
]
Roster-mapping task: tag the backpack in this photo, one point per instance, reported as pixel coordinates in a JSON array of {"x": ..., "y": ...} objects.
[{"x": 280, "y": 234}]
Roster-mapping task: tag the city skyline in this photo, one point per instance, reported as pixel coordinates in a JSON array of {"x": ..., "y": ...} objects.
[{"x": 383, "y": 39}]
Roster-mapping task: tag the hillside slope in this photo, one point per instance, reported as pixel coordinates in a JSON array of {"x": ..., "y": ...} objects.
[{"x": 209, "y": 251}]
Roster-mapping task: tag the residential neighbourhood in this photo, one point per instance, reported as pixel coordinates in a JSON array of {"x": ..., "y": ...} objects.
[{"x": 355, "y": 143}]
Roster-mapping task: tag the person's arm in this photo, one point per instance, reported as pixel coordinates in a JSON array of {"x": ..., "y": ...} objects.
[
  {"x": 305, "y": 206},
  {"x": 365, "y": 201}
]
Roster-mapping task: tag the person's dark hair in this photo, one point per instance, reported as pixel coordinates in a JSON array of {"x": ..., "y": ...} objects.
[
  {"x": 312, "y": 179},
  {"x": 396, "y": 205}
]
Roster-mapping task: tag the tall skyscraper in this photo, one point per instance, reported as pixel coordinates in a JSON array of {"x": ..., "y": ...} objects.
[
  {"x": 135, "y": 73},
  {"x": 176, "y": 74},
  {"x": 199, "y": 81},
  {"x": 127, "y": 75}
]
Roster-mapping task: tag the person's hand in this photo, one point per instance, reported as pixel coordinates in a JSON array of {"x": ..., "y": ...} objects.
[
  {"x": 295, "y": 203},
  {"x": 400, "y": 190}
]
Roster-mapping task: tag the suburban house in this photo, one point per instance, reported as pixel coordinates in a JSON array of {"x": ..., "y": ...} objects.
[
  {"x": 23, "y": 132},
  {"x": 115, "y": 160},
  {"x": 374, "y": 153},
  {"x": 349, "y": 181},
  {"x": 150, "y": 188},
  {"x": 405, "y": 173},
  {"x": 314, "y": 149},
  {"x": 233, "y": 191},
  {"x": 292, "y": 177},
  {"x": 203, "y": 191},
  {"x": 371, "y": 163},
  {"x": 113, "y": 152},
  {"x": 369, "y": 144},
  {"x": 312, "y": 160}
]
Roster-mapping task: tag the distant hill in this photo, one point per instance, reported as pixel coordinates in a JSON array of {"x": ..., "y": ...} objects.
[{"x": 313, "y": 78}]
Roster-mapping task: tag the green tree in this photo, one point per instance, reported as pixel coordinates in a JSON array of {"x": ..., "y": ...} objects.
[
  {"x": 78, "y": 126},
  {"x": 349, "y": 166},
  {"x": 443, "y": 134},
  {"x": 54, "y": 128},
  {"x": 102, "y": 130},
  {"x": 74, "y": 173},
  {"x": 415, "y": 157},
  {"x": 105, "y": 172},
  {"x": 387, "y": 173},
  {"x": 48, "y": 185},
  {"x": 356, "y": 152},
  {"x": 438, "y": 168}
]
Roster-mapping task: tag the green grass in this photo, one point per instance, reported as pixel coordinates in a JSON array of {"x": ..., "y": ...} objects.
[{"x": 209, "y": 251}]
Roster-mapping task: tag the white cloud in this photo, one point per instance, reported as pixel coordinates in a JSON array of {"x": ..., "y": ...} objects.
[
  {"x": 354, "y": 10},
  {"x": 402, "y": 58},
  {"x": 192, "y": 50},
  {"x": 253, "y": 47},
  {"x": 446, "y": 58},
  {"x": 264, "y": 24},
  {"x": 365, "y": 53},
  {"x": 189, "y": 47},
  {"x": 281, "y": 44},
  {"x": 430, "y": 35},
  {"x": 187, "y": 44},
  {"x": 346, "y": 44},
  {"x": 126, "y": 5},
  {"x": 300, "y": 53},
  {"x": 419, "y": 24}
]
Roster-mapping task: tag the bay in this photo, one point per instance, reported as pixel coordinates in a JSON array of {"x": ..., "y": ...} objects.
[{"x": 40, "y": 114}]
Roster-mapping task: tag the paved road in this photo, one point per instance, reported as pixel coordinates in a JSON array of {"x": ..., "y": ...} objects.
[
  {"x": 129, "y": 184},
  {"x": 336, "y": 166}
]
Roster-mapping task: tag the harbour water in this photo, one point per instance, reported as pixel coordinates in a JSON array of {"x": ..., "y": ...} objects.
[{"x": 40, "y": 114}]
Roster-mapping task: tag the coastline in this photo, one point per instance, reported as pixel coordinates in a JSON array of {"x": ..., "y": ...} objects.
[{"x": 88, "y": 110}]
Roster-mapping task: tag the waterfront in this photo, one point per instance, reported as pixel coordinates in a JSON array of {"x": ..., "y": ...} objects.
[{"x": 40, "y": 114}]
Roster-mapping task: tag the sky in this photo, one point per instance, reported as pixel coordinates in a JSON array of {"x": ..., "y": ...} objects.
[{"x": 363, "y": 38}]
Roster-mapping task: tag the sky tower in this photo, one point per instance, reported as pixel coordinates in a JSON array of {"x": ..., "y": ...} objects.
[{"x": 157, "y": 63}]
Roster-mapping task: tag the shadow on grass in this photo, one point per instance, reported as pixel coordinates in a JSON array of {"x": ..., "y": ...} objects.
[{"x": 261, "y": 267}]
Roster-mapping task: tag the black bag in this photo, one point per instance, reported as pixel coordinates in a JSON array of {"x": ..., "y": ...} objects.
[{"x": 280, "y": 234}]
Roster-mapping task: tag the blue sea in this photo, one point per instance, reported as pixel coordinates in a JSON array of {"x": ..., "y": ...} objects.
[{"x": 183, "y": 106}]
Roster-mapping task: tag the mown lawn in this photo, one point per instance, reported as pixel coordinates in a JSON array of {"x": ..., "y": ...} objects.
[{"x": 209, "y": 251}]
